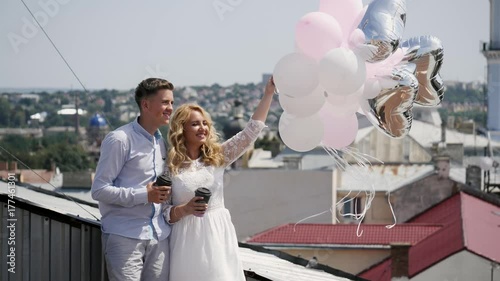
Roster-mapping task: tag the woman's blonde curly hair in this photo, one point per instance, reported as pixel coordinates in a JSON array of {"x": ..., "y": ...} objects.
[{"x": 210, "y": 151}]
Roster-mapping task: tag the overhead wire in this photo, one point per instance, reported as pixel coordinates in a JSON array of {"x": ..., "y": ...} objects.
[{"x": 85, "y": 90}]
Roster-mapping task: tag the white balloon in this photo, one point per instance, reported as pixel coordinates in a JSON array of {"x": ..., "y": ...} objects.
[
  {"x": 303, "y": 106},
  {"x": 486, "y": 163},
  {"x": 372, "y": 88},
  {"x": 301, "y": 134},
  {"x": 342, "y": 72},
  {"x": 296, "y": 75}
]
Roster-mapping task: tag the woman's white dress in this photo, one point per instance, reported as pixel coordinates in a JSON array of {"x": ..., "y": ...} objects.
[{"x": 206, "y": 248}]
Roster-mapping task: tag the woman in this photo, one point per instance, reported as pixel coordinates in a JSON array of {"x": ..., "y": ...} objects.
[{"x": 203, "y": 243}]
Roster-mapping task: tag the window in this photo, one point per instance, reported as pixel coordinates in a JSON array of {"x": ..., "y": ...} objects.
[
  {"x": 291, "y": 163},
  {"x": 406, "y": 149},
  {"x": 351, "y": 207}
]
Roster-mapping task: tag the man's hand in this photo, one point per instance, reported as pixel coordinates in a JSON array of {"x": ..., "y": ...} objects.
[{"x": 158, "y": 194}]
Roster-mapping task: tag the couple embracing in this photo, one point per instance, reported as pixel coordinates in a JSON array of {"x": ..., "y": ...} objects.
[{"x": 165, "y": 233}]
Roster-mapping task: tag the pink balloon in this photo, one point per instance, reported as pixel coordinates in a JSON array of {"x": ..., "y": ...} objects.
[
  {"x": 339, "y": 131},
  {"x": 377, "y": 69},
  {"x": 346, "y": 12},
  {"x": 317, "y": 33},
  {"x": 359, "y": 17},
  {"x": 343, "y": 105}
]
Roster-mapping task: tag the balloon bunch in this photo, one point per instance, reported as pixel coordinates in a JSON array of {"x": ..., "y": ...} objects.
[{"x": 349, "y": 58}]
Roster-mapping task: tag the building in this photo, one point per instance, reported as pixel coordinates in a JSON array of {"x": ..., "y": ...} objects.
[
  {"x": 48, "y": 179},
  {"x": 25, "y": 132},
  {"x": 97, "y": 129},
  {"x": 491, "y": 51},
  {"x": 416, "y": 197},
  {"x": 424, "y": 140},
  {"x": 316, "y": 159},
  {"x": 259, "y": 199},
  {"x": 355, "y": 186},
  {"x": 70, "y": 109},
  {"x": 409, "y": 188},
  {"x": 465, "y": 247}
]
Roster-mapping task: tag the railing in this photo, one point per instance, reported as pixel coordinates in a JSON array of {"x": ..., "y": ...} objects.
[
  {"x": 49, "y": 245},
  {"x": 487, "y": 46}
]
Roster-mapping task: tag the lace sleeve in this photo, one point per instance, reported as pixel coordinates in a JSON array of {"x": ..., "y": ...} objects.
[{"x": 234, "y": 147}]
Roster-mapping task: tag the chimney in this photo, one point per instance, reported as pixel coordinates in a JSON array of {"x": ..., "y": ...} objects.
[
  {"x": 473, "y": 176},
  {"x": 13, "y": 166},
  {"x": 292, "y": 162},
  {"x": 443, "y": 132},
  {"x": 4, "y": 166},
  {"x": 450, "y": 122},
  {"x": 400, "y": 261},
  {"x": 456, "y": 152},
  {"x": 442, "y": 166}
]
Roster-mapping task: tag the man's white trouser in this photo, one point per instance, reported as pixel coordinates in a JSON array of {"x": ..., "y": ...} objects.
[{"x": 134, "y": 259}]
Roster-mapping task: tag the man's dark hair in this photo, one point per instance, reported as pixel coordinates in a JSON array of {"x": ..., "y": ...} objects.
[{"x": 149, "y": 87}]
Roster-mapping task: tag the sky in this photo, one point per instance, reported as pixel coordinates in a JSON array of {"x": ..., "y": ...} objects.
[{"x": 114, "y": 44}]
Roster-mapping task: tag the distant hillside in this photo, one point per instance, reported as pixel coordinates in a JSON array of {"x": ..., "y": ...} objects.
[
  {"x": 459, "y": 92},
  {"x": 464, "y": 101},
  {"x": 31, "y": 90}
]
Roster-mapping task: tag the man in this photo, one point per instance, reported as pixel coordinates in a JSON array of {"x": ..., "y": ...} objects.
[{"x": 134, "y": 230}]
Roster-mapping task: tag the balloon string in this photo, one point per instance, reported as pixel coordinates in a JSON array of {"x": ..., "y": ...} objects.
[
  {"x": 392, "y": 212},
  {"x": 361, "y": 161},
  {"x": 310, "y": 217}
]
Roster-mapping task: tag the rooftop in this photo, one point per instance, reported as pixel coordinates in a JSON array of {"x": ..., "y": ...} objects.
[
  {"x": 276, "y": 265},
  {"x": 382, "y": 177},
  {"x": 342, "y": 235},
  {"x": 470, "y": 220}
]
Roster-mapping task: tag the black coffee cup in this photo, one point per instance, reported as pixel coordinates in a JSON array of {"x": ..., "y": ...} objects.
[
  {"x": 163, "y": 180},
  {"x": 205, "y": 193}
]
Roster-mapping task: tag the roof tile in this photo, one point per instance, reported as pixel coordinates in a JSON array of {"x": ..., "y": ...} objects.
[{"x": 344, "y": 234}]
